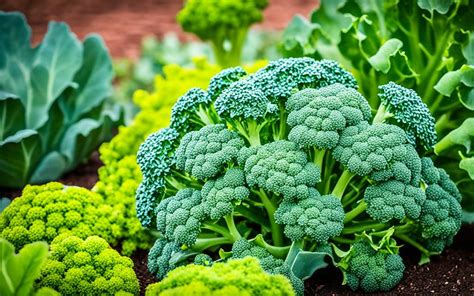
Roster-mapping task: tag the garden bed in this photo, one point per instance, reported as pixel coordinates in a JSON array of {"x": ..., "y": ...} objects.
[{"x": 452, "y": 273}]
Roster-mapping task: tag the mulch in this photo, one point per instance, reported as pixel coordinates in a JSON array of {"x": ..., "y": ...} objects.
[{"x": 449, "y": 274}]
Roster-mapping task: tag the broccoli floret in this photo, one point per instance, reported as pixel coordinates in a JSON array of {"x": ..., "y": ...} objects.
[
  {"x": 318, "y": 116},
  {"x": 159, "y": 257},
  {"x": 179, "y": 217},
  {"x": 43, "y": 212},
  {"x": 317, "y": 218},
  {"x": 394, "y": 200},
  {"x": 441, "y": 213},
  {"x": 204, "y": 153},
  {"x": 372, "y": 150},
  {"x": 234, "y": 277},
  {"x": 87, "y": 267},
  {"x": 281, "y": 167},
  {"x": 191, "y": 111},
  {"x": 373, "y": 270},
  {"x": 243, "y": 248},
  {"x": 223, "y": 80},
  {"x": 220, "y": 195},
  {"x": 203, "y": 259},
  {"x": 403, "y": 107},
  {"x": 156, "y": 155},
  {"x": 222, "y": 22},
  {"x": 283, "y": 77},
  {"x": 148, "y": 195}
]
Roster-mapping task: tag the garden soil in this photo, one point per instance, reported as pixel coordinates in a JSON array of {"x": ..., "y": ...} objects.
[{"x": 450, "y": 274}]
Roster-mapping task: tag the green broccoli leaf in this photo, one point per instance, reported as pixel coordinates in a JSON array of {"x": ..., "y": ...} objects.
[
  {"x": 19, "y": 271},
  {"x": 381, "y": 60}
]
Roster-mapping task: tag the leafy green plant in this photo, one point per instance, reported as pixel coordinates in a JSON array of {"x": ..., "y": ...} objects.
[
  {"x": 53, "y": 111},
  {"x": 19, "y": 271},
  {"x": 223, "y": 23},
  {"x": 424, "y": 45},
  {"x": 236, "y": 277},
  {"x": 289, "y": 165}
]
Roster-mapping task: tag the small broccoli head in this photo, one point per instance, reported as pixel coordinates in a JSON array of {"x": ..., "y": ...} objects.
[
  {"x": 243, "y": 100},
  {"x": 373, "y": 270},
  {"x": 281, "y": 167},
  {"x": 43, "y": 212},
  {"x": 220, "y": 195},
  {"x": 203, "y": 259},
  {"x": 179, "y": 217},
  {"x": 186, "y": 108},
  {"x": 210, "y": 19},
  {"x": 318, "y": 116},
  {"x": 394, "y": 200},
  {"x": 410, "y": 113},
  {"x": 234, "y": 277},
  {"x": 223, "y": 80},
  {"x": 87, "y": 267},
  {"x": 441, "y": 213},
  {"x": 156, "y": 155},
  {"x": 283, "y": 77},
  {"x": 204, "y": 153},
  {"x": 159, "y": 257},
  {"x": 147, "y": 196},
  {"x": 378, "y": 151},
  {"x": 317, "y": 218}
]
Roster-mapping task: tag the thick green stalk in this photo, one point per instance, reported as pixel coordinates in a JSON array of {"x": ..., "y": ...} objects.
[
  {"x": 342, "y": 183},
  {"x": 279, "y": 252},
  {"x": 253, "y": 132},
  {"x": 206, "y": 243},
  {"x": 219, "y": 229},
  {"x": 359, "y": 209},
  {"x": 229, "y": 220},
  {"x": 382, "y": 114},
  {"x": 277, "y": 231},
  {"x": 319, "y": 158},
  {"x": 444, "y": 144}
]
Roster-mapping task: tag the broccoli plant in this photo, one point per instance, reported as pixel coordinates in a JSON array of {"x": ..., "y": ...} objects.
[
  {"x": 292, "y": 166},
  {"x": 223, "y": 23}
]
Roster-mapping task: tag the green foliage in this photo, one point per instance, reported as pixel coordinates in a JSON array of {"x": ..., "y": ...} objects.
[
  {"x": 224, "y": 23},
  {"x": 426, "y": 46},
  {"x": 297, "y": 201},
  {"x": 235, "y": 277},
  {"x": 89, "y": 266},
  {"x": 19, "y": 271},
  {"x": 44, "y": 212},
  {"x": 52, "y": 101}
]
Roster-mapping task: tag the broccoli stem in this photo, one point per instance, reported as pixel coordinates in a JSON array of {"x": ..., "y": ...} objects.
[
  {"x": 343, "y": 240},
  {"x": 229, "y": 58},
  {"x": 444, "y": 144},
  {"x": 251, "y": 133},
  {"x": 252, "y": 215},
  {"x": 364, "y": 226},
  {"x": 219, "y": 229},
  {"x": 206, "y": 243},
  {"x": 382, "y": 114},
  {"x": 277, "y": 231},
  {"x": 342, "y": 183},
  {"x": 279, "y": 252},
  {"x": 229, "y": 220},
  {"x": 319, "y": 158},
  {"x": 204, "y": 116},
  {"x": 359, "y": 209},
  {"x": 413, "y": 243}
]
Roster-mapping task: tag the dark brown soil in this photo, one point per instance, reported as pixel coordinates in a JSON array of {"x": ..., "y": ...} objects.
[{"x": 449, "y": 274}]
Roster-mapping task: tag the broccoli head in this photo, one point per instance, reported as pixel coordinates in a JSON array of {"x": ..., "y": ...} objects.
[
  {"x": 373, "y": 270},
  {"x": 316, "y": 217},
  {"x": 179, "y": 217},
  {"x": 147, "y": 198},
  {"x": 205, "y": 153},
  {"x": 403, "y": 107},
  {"x": 159, "y": 257},
  {"x": 223, "y": 80},
  {"x": 222, "y": 22},
  {"x": 318, "y": 116},
  {"x": 234, "y": 277},
  {"x": 394, "y": 200},
  {"x": 46, "y": 211},
  {"x": 87, "y": 267},
  {"x": 220, "y": 195},
  {"x": 281, "y": 167},
  {"x": 187, "y": 114}
]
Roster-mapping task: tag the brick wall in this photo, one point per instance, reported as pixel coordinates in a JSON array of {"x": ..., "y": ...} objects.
[{"x": 123, "y": 23}]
